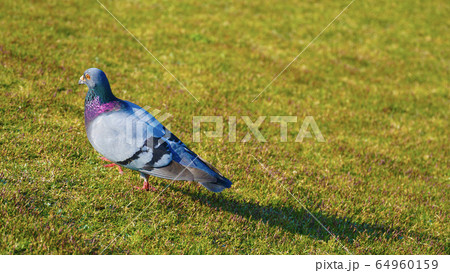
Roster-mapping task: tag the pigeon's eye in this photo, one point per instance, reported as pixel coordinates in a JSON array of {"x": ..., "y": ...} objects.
[{"x": 88, "y": 77}]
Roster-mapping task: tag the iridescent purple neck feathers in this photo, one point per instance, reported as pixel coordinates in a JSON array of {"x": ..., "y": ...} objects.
[{"x": 93, "y": 108}]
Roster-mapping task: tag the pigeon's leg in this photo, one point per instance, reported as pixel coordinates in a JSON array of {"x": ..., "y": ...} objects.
[
  {"x": 146, "y": 185},
  {"x": 112, "y": 164}
]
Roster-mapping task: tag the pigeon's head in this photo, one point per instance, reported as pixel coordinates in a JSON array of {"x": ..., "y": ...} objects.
[
  {"x": 94, "y": 77},
  {"x": 98, "y": 85}
]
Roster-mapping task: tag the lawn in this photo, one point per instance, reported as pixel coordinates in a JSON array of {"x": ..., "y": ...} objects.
[{"x": 375, "y": 82}]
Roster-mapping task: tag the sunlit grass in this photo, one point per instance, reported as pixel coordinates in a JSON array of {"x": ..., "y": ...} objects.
[{"x": 376, "y": 83}]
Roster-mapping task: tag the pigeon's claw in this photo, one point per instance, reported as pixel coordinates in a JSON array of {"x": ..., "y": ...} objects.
[
  {"x": 146, "y": 187},
  {"x": 111, "y": 165}
]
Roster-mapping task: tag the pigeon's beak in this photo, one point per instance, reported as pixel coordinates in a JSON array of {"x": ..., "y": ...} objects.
[{"x": 82, "y": 80}]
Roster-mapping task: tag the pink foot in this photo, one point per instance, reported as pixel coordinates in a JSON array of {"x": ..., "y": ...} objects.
[
  {"x": 146, "y": 187},
  {"x": 112, "y": 164}
]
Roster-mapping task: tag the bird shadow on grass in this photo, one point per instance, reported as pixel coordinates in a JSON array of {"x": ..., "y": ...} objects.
[{"x": 298, "y": 221}]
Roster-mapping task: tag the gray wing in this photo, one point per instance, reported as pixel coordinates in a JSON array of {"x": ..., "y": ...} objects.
[{"x": 188, "y": 166}]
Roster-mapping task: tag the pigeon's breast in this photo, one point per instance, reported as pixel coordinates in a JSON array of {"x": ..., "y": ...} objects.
[
  {"x": 127, "y": 139},
  {"x": 112, "y": 135}
]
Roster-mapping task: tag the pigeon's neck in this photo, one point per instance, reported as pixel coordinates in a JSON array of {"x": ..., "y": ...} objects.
[
  {"x": 99, "y": 101},
  {"x": 102, "y": 91}
]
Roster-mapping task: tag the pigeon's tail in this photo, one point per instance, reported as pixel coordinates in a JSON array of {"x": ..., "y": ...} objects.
[
  {"x": 217, "y": 186},
  {"x": 218, "y": 183}
]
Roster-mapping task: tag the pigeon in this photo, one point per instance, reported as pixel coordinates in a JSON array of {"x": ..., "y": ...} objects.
[{"x": 129, "y": 136}]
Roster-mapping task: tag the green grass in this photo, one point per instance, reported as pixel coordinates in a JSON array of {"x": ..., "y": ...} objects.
[{"x": 376, "y": 83}]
